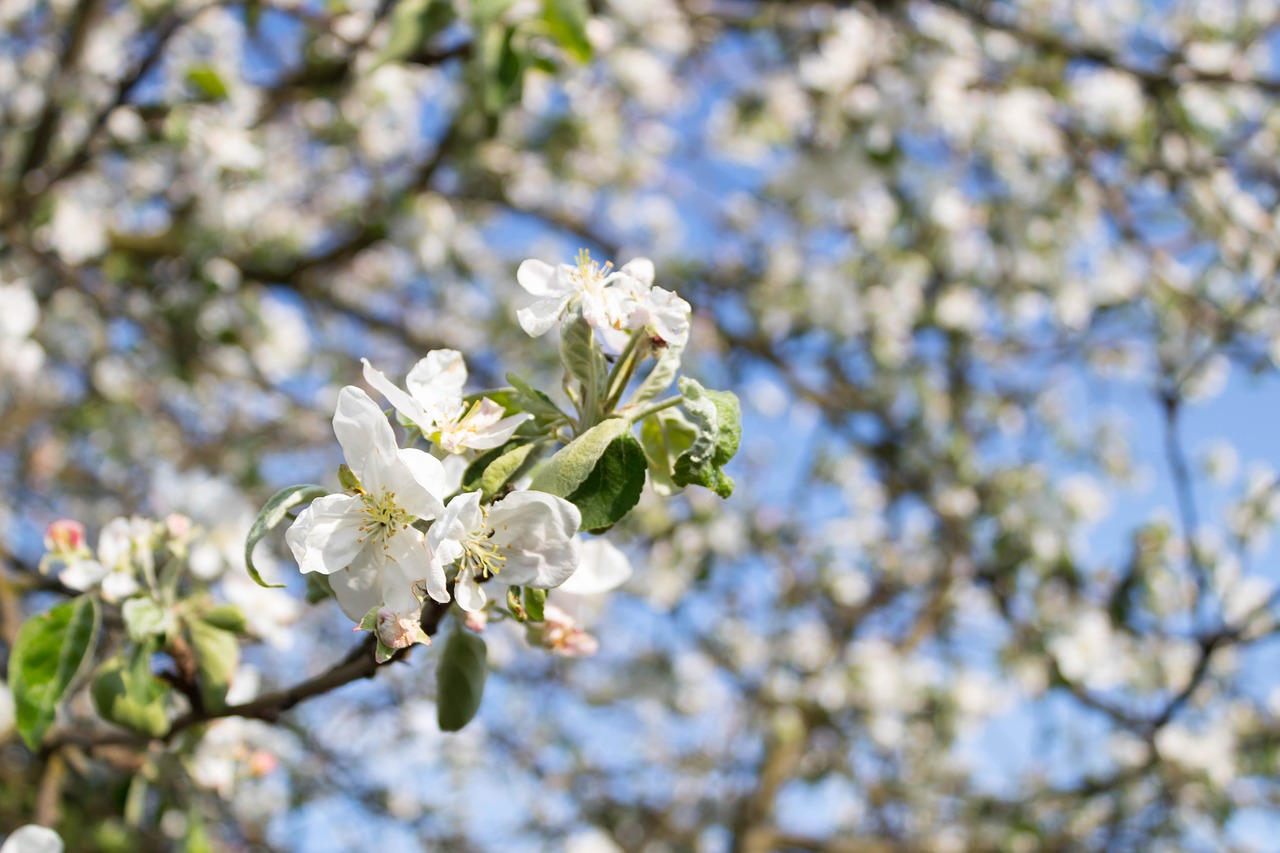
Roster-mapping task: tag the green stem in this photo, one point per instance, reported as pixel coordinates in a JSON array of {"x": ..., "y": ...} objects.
[
  {"x": 623, "y": 369},
  {"x": 654, "y": 408}
]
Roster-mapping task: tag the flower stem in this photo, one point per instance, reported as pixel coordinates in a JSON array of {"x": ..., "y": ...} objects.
[
  {"x": 654, "y": 408},
  {"x": 623, "y": 369}
]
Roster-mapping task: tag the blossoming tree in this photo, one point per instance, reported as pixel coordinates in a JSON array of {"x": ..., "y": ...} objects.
[{"x": 994, "y": 280}]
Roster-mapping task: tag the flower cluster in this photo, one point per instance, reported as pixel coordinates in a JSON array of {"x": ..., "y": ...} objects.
[
  {"x": 615, "y": 303},
  {"x": 404, "y": 532},
  {"x": 125, "y": 555},
  {"x": 370, "y": 543}
]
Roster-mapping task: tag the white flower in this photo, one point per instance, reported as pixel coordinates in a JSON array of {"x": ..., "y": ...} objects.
[
  {"x": 435, "y": 404},
  {"x": 526, "y": 539},
  {"x": 601, "y": 568},
  {"x": 365, "y": 542},
  {"x": 124, "y": 548},
  {"x": 32, "y": 839},
  {"x": 608, "y": 297}
]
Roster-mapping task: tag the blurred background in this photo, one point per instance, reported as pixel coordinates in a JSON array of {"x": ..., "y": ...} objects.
[{"x": 995, "y": 281}]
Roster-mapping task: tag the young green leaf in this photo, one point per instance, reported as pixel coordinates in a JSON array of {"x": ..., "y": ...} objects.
[
  {"x": 665, "y": 436},
  {"x": 228, "y": 617},
  {"x": 583, "y": 360},
  {"x": 50, "y": 650},
  {"x": 125, "y": 692},
  {"x": 412, "y": 23},
  {"x": 274, "y": 512},
  {"x": 460, "y": 679},
  {"x": 660, "y": 377},
  {"x": 217, "y": 657},
  {"x": 574, "y": 462},
  {"x": 532, "y": 400},
  {"x": 208, "y": 82},
  {"x": 535, "y": 604},
  {"x": 567, "y": 21},
  {"x": 719, "y": 420}
]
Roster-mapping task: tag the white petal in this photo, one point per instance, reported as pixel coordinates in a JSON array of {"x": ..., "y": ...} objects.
[
  {"x": 435, "y": 582},
  {"x": 32, "y": 839},
  {"x": 400, "y": 400},
  {"x": 357, "y": 589},
  {"x": 541, "y": 530},
  {"x": 326, "y": 536},
  {"x": 398, "y": 579},
  {"x": 539, "y": 278},
  {"x": 640, "y": 269},
  {"x": 406, "y": 552},
  {"x": 468, "y": 593},
  {"x": 366, "y": 437},
  {"x": 541, "y": 316},
  {"x": 460, "y": 519},
  {"x": 601, "y": 567},
  {"x": 83, "y": 574},
  {"x": 498, "y": 434},
  {"x": 419, "y": 483},
  {"x": 117, "y": 586},
  {"x": 442, "y": 373}
]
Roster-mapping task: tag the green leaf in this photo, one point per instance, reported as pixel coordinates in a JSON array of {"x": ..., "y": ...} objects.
[
  {"x": 719, "y": 420},
  {"x": 412, "y": 24},
  {"x": 208, "y": 82},
  {"x": 514, "y": 605},
  {"x": 505, "y": 468},
  {"x": 228, "y": 617},
  {"x": 126, "y": 693},
  {"x": 217, "y": 657},
  {"x": 144, "y": 618},
  {"x": 582, "y": 358},
  {"x": 274, "y": 512},
  {"x": 47, "y": 655},
  {"x": 665, "y": 436},
  {"x": 486, "y": 12},
  {"x": 460, "y": 679},
  {"x": 348, "y": 479},
  {"x": 535, "y": 604},
  {"x": 567, "y": 21},
  {"x": 660, "y": 377},
  {"x": 574, "y": 462},
  {"x": 532, "y": 400},
  {"x": 613, "y": 487},
  {"x": 318, "y": 588},
  {"x": 501, "y": 66}
]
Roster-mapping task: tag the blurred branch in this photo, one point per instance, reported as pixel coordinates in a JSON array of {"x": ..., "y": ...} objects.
[{"x": 1170, "y": 75}]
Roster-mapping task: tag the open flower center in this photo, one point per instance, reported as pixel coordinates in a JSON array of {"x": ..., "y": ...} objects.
[
  {"x": 383, "y": 517},
  {"x": 589, "y": 275},
  {"x": 480, "y": 554}
]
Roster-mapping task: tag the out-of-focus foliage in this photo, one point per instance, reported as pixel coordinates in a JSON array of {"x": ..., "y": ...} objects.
[{"x": 985, "y": 274}]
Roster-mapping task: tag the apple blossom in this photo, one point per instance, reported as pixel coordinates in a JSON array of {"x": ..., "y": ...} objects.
[
  {"x": 32, "y": 839},
  {"x": 560, "y": 634},
  {"x": 525, "y": 539},
  {"x": 608, "y": 297},
  {"x": 435, "y": 404},
  {"x": 365, "y": 542}
]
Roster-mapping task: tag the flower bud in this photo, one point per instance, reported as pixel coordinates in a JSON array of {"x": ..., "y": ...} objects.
[
  {"x": 65, "y": 537},
  {"x": 397, "y": 631},
  {"x": 560, "y": 635}
]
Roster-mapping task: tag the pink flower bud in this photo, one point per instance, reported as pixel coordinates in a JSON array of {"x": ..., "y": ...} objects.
[
  {"x": 261, "y": 762},
  {"x": 560, "y": 635},
  {"x": 64, "y": 536},
  {"x": 177, "y": 525},
  {"x": 476, "y": 621},
  {"x": 398, "y": 631}
]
